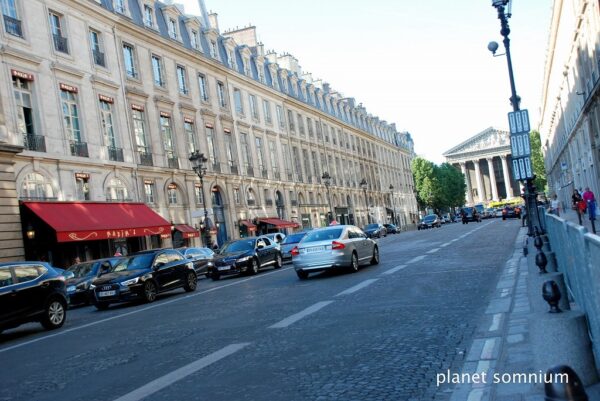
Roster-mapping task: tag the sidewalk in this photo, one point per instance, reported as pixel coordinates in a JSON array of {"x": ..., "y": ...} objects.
[{"x": 571, "y": 215}]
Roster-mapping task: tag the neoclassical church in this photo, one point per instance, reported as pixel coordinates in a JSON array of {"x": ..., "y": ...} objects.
[{"x": 485, "y": 161}]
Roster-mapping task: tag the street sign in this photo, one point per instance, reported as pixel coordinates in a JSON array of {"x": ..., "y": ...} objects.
[
  {"x": 520, "y": 145},
  {"x": 522, "y": 168},
  {"x": 518, "y": 122}
]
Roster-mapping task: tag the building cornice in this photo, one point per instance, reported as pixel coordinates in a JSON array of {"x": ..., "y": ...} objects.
[{"x": 21, "y": 56}]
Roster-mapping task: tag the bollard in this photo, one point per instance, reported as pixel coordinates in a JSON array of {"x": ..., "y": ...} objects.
[
  {"x": 525, "y": 249},
  {"x": 562, "y": 384},
  {"x": 536, "y": 292},
  {"x": 552, "y": 295},
  {"x": 541, "y": 261}
]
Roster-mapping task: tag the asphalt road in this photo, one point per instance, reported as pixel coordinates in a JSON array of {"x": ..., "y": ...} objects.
[{"x": 380, "y": 334}]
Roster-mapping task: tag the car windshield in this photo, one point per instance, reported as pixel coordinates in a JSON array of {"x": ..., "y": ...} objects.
[
  {"x": 431, "y": 217},
  {"x": 371, "y": 226},
  {"x": 238, "y": 246},
  {"x": 323, "y": 235},
  {"x": 293, "y": 238},
  {"x": 143, "y": 261},
  {"x": 81, "y": 269}
]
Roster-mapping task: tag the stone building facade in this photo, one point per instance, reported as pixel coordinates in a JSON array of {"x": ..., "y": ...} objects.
[
  {"x": 570, "y": 106},
  {"x": 485, "y": 161},
  {"x": 110, "y": 97}
]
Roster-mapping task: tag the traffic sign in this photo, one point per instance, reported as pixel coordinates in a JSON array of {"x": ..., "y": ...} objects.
[
  {"x": 518, "y": 121},
  {"x": 522, "y": 168},
  {"x": 520, "y": 145}
]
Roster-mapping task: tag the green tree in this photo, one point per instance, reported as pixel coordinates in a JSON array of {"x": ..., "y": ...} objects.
[
  {"x": 453, "y": 185},
  {"x": 537, "y": 159},
  {"x": 438, "y": 187}
]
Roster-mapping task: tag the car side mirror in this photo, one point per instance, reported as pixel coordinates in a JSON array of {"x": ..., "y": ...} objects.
[
  {"x": 189, "y": 256},
  {"x": 260, "y": 246},
  {"x": 159, "y": 265}
]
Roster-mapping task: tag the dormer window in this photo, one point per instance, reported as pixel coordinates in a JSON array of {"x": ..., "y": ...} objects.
[
  {"x": 247, "y": 70},
  {"x": 261, "y": 74},
  {"x": 232, "y": 62},
  {"x": 119, "y": 6},
  {"x": 148, "y": 16},
  {"x": 194, "y": 39},
  {"x": 213, "y": 49},
  {"x": 172, "y": 28}
]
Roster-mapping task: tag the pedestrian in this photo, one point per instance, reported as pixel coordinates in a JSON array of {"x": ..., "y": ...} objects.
[
  {"x": 576, "y": 199},
  {"x": 588, "y": 195},
  {"x": 555, "y": 205}
]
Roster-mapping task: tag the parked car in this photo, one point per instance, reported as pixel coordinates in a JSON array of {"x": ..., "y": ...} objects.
[
  {"x": 375, "y": 230},
  {"x": 144, "y": 275},
  {"x": 472, "y": 216},
  {"x": 429, "y": 221},
  {"x": 247, "y": 255},
  {"x": 511, "y": 212},
  {"x": 289, "y": 243},
  {"x": 498, "y": 212},
  {"x": 489, "y": 213},
  {"x": 277, "y": 238},
  {"x": 31, "y": 292},
  {"x": 201, "y": 257},
  {"x": 81, "y": 276},
  {"x": 391, "y": 228},
  {"x": 446, "y": 218},
  {"x": 342, "y": 246}
]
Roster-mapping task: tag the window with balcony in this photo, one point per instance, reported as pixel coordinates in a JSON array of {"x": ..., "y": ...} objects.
[
  {"x": 267, "y": 112},
  {"x": 230, "y": 153},
  {"x": 274, "y": 160},
  {"x": 158, "y": 71},
  {"x": 260, "y": 157},
  {"x": 190, "y": 134},
  {"x": 291, "y": 121},
  {"x": 254, "y": 108},
  {"x": 203, "y": 84},
  {"x": 166, "y": 132},
  {"x": 297, "y": 163},
  {"x": 59, "y": 39},
  {"x": 70, "y": 110},
  {"x": 212, "y": 149},
  {"x": 129, "y": 61},
  {"x": 25, "y": 119},
  {"x": 115, "y": 153},
  {"x": 182, "y": 80},
  {"x": 12, "y": 22},
  {"x": 246, "y": 155},
  {"x": 250, "y": 197},
  {"x": 280, "y": 118},
  {"x": 36, "y": 187},
  {"x": 300, "y": 124},
  {"x": 139, "y": 130},
  {"x": 222, "y": 93},
  {"x": 97, "y": 48},
  {"x": 287, "y": 158},
  {"x": 237, "y": 100}
]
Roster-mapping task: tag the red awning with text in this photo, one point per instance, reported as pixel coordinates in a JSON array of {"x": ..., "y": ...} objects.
[
  {"x": 89, "y": 221},
  {"x": 249, "y": 224},
  {"x": 187, "y": 231},
  {"x": 279, "y": 223}
]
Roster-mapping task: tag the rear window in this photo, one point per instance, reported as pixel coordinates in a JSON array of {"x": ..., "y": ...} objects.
[
  {"x": 323, "y": 235},
  {"x": 293, "y": 238},
  {"x": 81, "y": 270}
]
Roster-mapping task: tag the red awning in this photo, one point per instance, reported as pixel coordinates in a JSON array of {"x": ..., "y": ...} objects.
[
  {"x": 279, "y": 223},
  {"x": 88, "y": 221},
  {"x": 187, "y": 231},
  {"x": 248, "y": 223}
]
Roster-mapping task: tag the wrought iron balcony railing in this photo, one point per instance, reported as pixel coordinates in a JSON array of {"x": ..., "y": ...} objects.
[
  {"x": 99, "y": 58},
  {"x": 13, "y": 26},
  {"x": 173, "y": 162},
  {"x": 115, "y": 154},
  {"x": 37, "y": 143},
  {"x": 79, "y": 149},
  {"x": 146, "y": 159},
  {"x": 61, "y": 44}
]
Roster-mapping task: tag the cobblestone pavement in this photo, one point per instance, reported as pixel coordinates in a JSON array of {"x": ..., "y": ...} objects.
[{"x": 384, "y": 333}]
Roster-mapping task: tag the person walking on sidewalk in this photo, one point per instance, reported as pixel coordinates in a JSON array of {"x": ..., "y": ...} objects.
[
  {"x": 555, "y": 205},
  {"x": 576, "y": 199},
  {"x": 590, "y": 200}
]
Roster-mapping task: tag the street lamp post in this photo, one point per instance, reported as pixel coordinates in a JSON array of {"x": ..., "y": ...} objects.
[
  {"x": 395, "y": 219},
  {"x": 533, "y": 223},
  {"x": 327, "y": 181},
  {"x": 198, "y": 161},
  {"x": 364, "y": 186}
]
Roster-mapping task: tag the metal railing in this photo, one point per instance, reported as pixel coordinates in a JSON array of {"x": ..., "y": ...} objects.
[
  {"x": 37, "y": 143},
  {"x": 173, "y": 162},
  {"x": 146, "y": 159},
  {"x": 99, "y": 58},
  {"x": 115, "y": 154},
  {"x": 61, "y": 44},
  {"x": 233, "y": 169},
  {"x": 265, "y": 173},
  {"x": 216, "y": 167},
  {"x": 79, "y": 149},
  {"x": 13, "y": 26},
  {"x": 250, "y": 171},
  {"x": 251, "y": 202},
  {"x": 269, "y": 202}
]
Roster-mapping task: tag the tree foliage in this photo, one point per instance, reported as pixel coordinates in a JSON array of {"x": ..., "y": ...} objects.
[
  {"x": 537, "y": 160},
  {"x": 438, "y": 187}
]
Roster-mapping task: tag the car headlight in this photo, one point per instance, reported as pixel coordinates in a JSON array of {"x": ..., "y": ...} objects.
[
  {"x": 210, "y": 264},
  {"x": 92, "y": 286},
  {"x": 132, "y": 281}
]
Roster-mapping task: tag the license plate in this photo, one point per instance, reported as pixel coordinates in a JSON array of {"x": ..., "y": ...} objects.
[
  {"x": 107, "y": 293},
  {"x": 221, "y": 268},
  {"x": 315, "y": 249}
]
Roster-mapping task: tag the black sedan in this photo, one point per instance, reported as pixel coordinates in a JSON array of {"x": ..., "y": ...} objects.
[
  {"x": 375, "y": 230},
  {"x": 201, "y": 257},
  {"x": 392, "y": 228},
  {"x": 247, "y": 255},
  {"x": 80, "y": 276},
  {"x": 144, "y": 275},
  {"x": 31, "y": 292}
]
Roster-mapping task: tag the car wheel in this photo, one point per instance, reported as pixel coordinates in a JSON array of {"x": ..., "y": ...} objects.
[
  {"x": 150, "y": 291},
  {"x": 302, "y": 275},
  {"x": 54, "y": 314},
  {"x": 253, "y": 269},
  {"x": 353, "y": 263},
  {"x": 207, "y": 275},
  {"x": 375, "y": 258},
  {"x": 278, "y": 262},
  {"x": 191, "y": 282},
  {"x": 101, "y": 305}
]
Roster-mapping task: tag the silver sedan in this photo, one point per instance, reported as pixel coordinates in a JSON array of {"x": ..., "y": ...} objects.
[{"x": 333, "y": 247}]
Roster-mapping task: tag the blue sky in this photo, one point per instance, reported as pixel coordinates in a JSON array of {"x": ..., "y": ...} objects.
[{"x": 421, "y": 64}]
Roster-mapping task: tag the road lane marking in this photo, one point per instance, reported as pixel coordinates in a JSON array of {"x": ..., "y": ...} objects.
[
  {"x": 181, "y": 373},
  {"x": 416, "y": 259},
  {"x": 302, "y": 314},
  {"x": 133, "y": 312},
  {"x": 446, "y": 244},
  {"x": 393, "y": 270},
  {"x": 488, "y": 349},
  {"x": 434, "y": 250},
  {"x": 357, "y": 287}
]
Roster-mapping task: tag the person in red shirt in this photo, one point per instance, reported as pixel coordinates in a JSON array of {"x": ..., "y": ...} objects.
[{"x": 588, "y": 195}]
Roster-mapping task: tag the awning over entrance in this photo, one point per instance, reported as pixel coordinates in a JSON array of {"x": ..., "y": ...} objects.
[
  {"x": 187, "y": 231},
  {"x": 88, "y": 221},
  {"x": 279, "y": 223},
  {"x": 248, "y": 223}
]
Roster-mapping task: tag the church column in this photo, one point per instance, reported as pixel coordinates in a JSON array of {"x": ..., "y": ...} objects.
[
  {"x": 463, "y": 169},
  {"x": 480, "y": 188},
  {"x": 507, "y": 186},
  {"x": 490, "y": 162}
]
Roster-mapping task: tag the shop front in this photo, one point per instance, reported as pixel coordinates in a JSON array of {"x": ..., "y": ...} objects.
[
  {"x": 247, "y": 228},
  {"x": 59, "y": 232},
  {"x": 182, "y": 235},
  {"x": 273, "y": 225}
]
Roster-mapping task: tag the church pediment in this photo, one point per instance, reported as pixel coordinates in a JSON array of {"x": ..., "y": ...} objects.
[{"x": 485, "y": 141}]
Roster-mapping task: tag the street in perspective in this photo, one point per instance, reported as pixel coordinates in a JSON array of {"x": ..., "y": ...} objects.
[{"x": 334, "y": 202}]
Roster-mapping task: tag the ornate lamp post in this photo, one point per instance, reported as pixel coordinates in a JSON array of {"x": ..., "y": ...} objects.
[
  {"x": 363, "y": 184},
  {"x": 198, "y": 161},
  {"x": 530, "y": 195},
  {"x": 395, "y": 219},
  {"x": 327, "y": 181}
]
